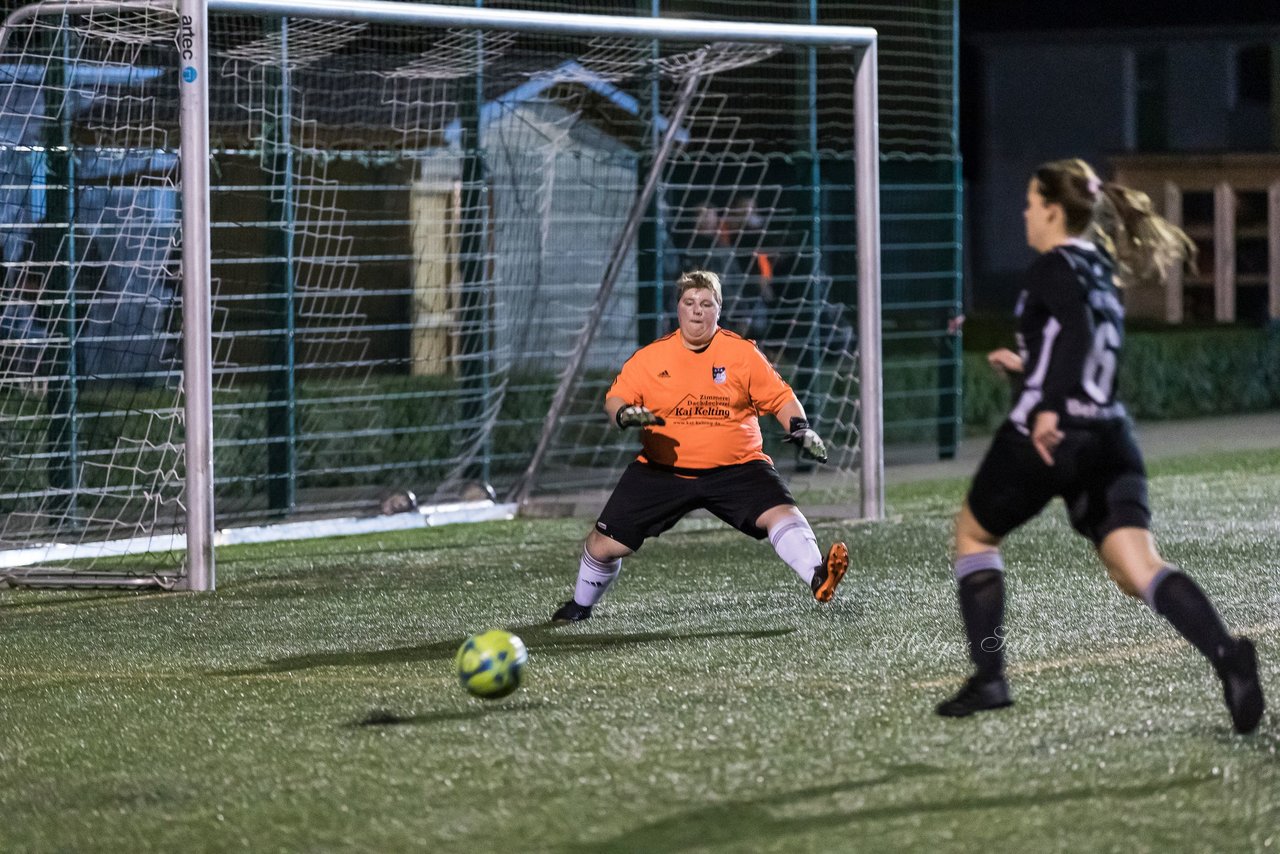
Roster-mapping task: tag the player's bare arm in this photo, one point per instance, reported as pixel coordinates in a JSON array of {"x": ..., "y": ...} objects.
[
  {"x": 799, "y": 433},
  {"x": 1005, "y": 361}
]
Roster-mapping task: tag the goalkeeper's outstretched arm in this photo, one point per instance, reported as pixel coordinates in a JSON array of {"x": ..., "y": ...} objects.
[
  {"x": 793, "y": 409},
  {"x": 631, "y": 414},
  {"x": 611, "y": 407},
  {"x": 799, "y": 433}
]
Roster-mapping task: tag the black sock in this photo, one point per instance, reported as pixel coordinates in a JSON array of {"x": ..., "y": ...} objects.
[
  {"x": 1180, "y": 600},
  {"x": 982, "y": 606}
]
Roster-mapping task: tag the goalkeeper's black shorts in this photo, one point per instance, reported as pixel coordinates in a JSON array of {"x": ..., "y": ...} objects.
[{"x": 649, "y": 500}]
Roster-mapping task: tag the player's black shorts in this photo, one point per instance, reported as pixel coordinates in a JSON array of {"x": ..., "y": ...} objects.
[
  {"x": 1098, "y": 472},
  {"x": 649, "y": 500}
]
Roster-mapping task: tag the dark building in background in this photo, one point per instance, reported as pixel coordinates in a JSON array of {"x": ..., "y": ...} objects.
[{"x": 1179, "y": 101}]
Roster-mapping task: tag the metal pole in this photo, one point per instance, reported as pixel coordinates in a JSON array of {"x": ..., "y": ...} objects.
[
  {"x": 650, "y": 259},
  {"x": 282, "y": 392},
  {"x": 57, "y": 245},
  {"x": 808, "y": 377},
  {"x": 475, "y": 299},
  {"x": 866, "y": 148},
  {"x": 197, "y": 323},
  {"x": 951, "y": 350},
  {"x": 557, "y": 23}
]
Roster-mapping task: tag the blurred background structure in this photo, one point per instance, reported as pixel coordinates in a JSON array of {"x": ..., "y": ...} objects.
[{"x": 1181, "y": 100}]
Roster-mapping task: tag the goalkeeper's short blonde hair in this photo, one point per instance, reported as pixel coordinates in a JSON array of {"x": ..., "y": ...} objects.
[{"x": 700, "y": 279}]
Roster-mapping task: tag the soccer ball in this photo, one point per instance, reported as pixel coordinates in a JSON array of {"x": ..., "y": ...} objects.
[{"x": 490, "y": 664}]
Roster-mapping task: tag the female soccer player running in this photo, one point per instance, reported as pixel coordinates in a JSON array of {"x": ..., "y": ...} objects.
[
  {"x": 695, "y": 394},
  {"x": 1068, "y": 435}
]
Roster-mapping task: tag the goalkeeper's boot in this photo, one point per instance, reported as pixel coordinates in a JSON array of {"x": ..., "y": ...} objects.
[
  {"x": 571, "y": 612},
  {"x": 1238, "y": 670},
  {"x": 828, "y": 576},
  {"x": 979, "y": 694}
]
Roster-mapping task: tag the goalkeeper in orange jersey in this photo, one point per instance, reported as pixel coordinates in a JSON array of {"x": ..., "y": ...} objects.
[{"x": 695, "y": 395}]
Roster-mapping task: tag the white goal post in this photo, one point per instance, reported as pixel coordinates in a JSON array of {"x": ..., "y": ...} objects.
[{"x": 615, "y": 133}]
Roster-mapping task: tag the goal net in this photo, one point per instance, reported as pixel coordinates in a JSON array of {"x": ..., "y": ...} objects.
[{"x": 434, "y": 237}]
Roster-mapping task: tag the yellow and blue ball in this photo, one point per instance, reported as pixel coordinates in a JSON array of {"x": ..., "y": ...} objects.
[{"x": 491, "y": 663}]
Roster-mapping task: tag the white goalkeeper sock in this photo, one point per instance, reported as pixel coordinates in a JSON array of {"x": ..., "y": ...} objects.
[
  {"x": 795, "y": 543},
  {"x": 594, "y": 578}
]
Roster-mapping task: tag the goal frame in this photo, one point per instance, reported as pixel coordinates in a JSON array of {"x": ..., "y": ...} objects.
[{"x": 191, "y": 40}]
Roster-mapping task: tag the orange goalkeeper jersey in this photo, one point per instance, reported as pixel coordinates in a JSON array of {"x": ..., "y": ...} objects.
[{"x": 710, "y": 400}]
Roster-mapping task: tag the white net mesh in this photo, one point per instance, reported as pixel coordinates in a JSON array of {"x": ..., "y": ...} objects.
[
  {"x": 409, "y": 229},
  {"x": 89, "y": 400}
]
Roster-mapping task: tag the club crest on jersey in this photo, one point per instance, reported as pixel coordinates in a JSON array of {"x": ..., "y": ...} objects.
[{"x": 717, "y": 374}]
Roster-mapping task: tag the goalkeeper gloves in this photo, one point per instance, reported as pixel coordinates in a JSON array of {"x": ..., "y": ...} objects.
[
  {"x": 811, "y": 444},
  {"x": 637, "y": 416}
]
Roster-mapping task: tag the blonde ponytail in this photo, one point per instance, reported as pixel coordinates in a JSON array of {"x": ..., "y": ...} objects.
[{"x": 1146, "y": 246}]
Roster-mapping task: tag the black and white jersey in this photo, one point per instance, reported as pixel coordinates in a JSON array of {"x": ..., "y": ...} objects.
[{"x": 1070, "y": 331}]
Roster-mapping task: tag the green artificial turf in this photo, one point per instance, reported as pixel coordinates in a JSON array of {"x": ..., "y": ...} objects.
[{"x": 310, "y": 703}]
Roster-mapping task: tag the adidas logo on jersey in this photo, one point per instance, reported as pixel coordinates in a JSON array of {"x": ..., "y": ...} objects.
[{"x": 664, "y": 376}]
